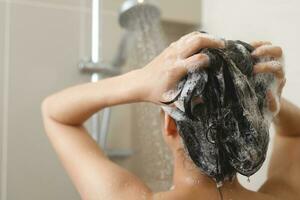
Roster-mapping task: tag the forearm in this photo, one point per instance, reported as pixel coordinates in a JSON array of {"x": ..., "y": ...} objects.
[
  {"x": 287, "y": 122},
  {"x": 75, "y": 105}
]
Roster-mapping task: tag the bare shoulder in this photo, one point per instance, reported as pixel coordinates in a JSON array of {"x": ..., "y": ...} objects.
[{"x": 284, "y": 171}]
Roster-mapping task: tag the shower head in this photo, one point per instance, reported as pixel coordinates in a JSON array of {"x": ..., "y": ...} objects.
[{"x": 132, "y": 10}]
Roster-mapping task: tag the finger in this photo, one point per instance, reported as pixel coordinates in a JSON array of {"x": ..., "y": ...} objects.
[
  {"x": 272, "y": 102},
  {"x": 184, "y": 37},
  {"x": 196, "y": 61},
  {"x": 274, "y": 67},
  {"x": 197, "y": 42},
  {"x": 190, "y": 35},
  {"x": 257, "y": 44},
  {"x": 268, "y": 50}
]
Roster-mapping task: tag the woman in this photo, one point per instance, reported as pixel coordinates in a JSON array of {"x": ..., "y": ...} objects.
[{"x": 97, "y": 178}]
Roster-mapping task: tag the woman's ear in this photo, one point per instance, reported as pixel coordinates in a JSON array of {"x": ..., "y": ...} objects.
[{"x": 170, "y": 126}]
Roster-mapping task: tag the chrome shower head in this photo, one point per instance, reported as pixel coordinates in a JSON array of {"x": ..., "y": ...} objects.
[{"x": 132, "y": 10}]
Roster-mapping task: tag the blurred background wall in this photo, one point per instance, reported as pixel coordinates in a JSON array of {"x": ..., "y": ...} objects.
[{"x": 41, "y": 43}]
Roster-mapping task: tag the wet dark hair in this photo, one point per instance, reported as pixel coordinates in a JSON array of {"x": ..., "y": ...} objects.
[{"x": 221, "y": 113}]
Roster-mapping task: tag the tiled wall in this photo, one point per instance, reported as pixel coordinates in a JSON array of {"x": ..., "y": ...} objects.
[
  {"x": 45, "y": 45},
  {"x": 270, "y": 20},
  {"x": 46, "y": 41}
]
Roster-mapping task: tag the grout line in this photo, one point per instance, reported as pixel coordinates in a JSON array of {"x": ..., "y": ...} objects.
[{"x": 5, "y": 101}]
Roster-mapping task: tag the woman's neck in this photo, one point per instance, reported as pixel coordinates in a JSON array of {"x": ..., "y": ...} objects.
[{"x": 187, "y": 174}]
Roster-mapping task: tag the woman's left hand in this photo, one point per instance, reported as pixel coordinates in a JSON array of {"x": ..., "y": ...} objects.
[
  {"x": 165, "y": 71},
  {"x": 271, "y": 57}
]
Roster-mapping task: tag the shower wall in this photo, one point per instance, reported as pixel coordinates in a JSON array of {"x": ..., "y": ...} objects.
[
  {"x": 270, "y": 20},
  {"x": 41, "y": 44}
]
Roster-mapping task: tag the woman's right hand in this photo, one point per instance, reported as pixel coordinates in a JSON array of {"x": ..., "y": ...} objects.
[{"x": 165, "y": 71}]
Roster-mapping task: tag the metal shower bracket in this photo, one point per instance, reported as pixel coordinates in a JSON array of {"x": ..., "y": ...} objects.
[{"x": 96, "y": 69}]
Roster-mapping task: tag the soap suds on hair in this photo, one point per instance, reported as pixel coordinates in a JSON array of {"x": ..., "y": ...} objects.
[{"x": 222, "y": 113}]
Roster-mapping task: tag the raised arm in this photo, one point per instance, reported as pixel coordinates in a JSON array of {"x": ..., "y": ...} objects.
[
  {"x": 73, "y": 106},
  {"x": 64, "y": 113},
  {"x": 287, "y": 122},
  {"x": 284, "y": 171}
]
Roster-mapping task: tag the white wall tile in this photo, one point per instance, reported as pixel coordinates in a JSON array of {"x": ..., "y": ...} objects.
[{"x": 45, "y": 51}]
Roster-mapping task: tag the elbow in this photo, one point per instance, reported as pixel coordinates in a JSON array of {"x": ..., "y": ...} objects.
[
  {"x": 46, "y": 107},
  {"x": 45, "y": 114},
  {"x": 53, "y": 111}
]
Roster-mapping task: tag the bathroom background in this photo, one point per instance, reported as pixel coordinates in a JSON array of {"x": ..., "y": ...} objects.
[{"x": 43, "y": 41}]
